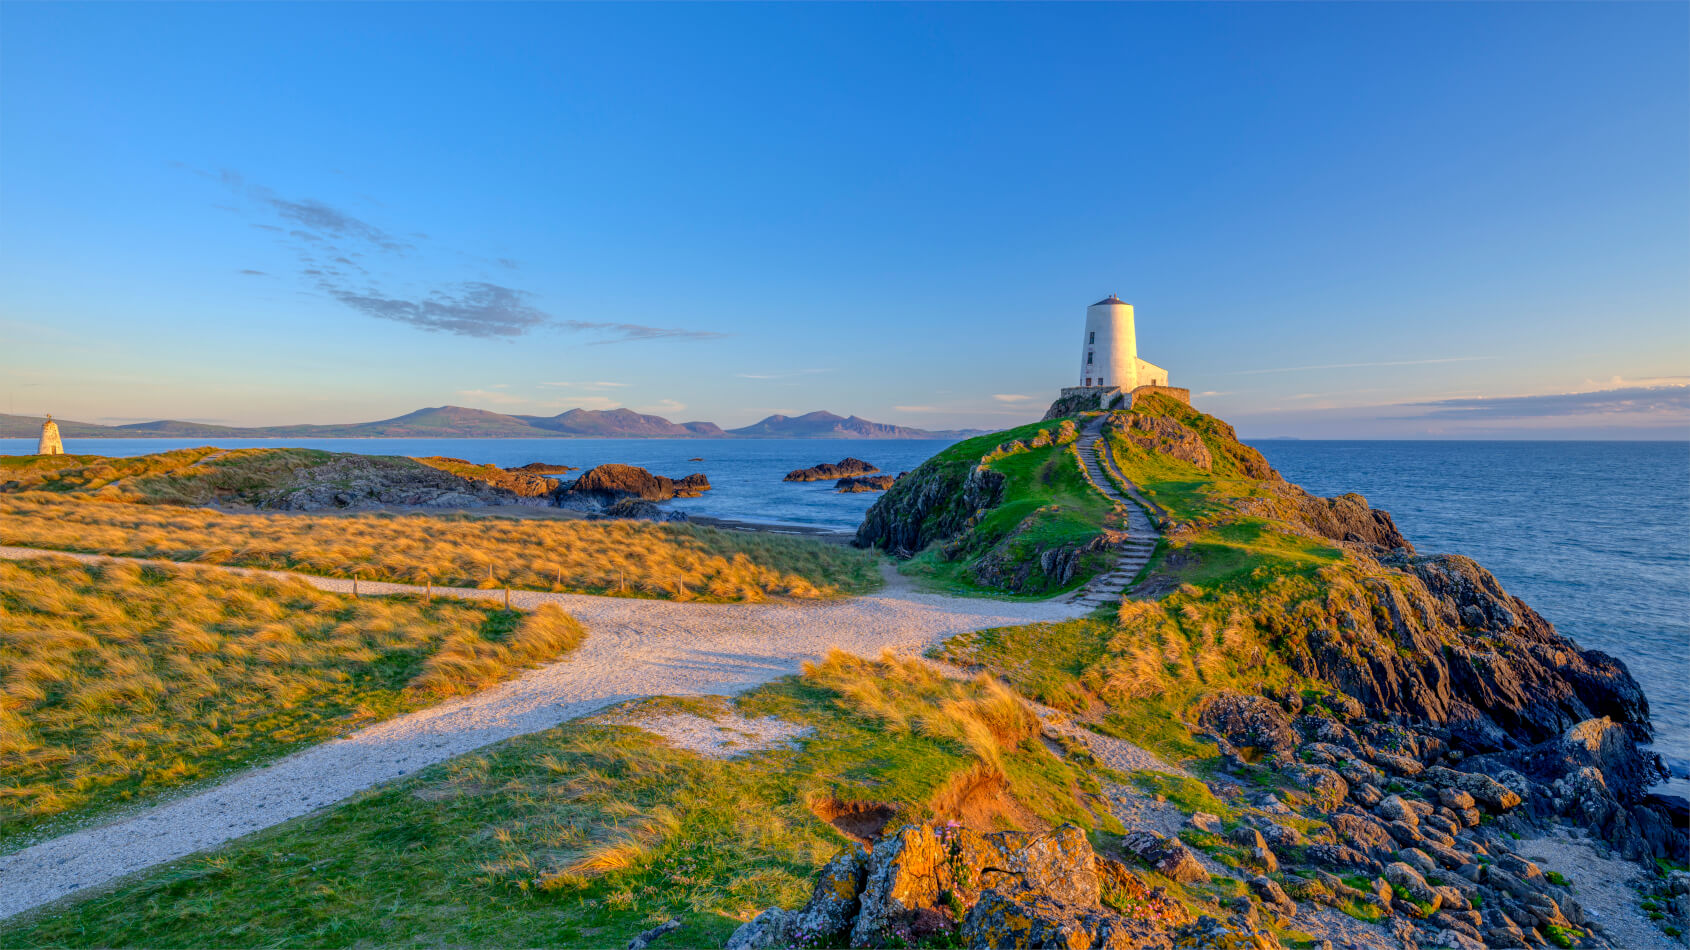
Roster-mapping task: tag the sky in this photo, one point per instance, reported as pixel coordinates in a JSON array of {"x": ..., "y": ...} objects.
[{"x": 1334, "y": 221}]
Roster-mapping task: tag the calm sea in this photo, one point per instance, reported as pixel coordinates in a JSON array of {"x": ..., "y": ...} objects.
[{"x": 1594, "y": 535}]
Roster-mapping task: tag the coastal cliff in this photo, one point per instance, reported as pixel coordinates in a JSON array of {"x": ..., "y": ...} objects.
[{"x": 1405, "y": 721}]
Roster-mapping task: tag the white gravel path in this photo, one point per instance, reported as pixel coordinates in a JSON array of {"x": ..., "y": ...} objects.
[{"x": 634, "y": 648}]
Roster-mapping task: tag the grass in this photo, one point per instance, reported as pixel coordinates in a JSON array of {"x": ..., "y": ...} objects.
[
  {"x": 1047, "y": 503},
  {"x": 636, "y": 559},
  {"x": 121, "y": 681},
  {"x": 586, "y": 834}
]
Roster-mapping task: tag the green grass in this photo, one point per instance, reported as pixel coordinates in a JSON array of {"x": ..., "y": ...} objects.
[
  {"x": 122, "y": 682},
  {"x": 1047, "y": 503},
  {"x": 586, "y": 834}
]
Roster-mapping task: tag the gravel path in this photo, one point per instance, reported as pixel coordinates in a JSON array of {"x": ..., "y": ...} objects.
[{"x": 635, "y": 648}]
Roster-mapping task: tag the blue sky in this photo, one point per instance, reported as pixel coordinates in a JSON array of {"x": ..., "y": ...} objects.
[{"x": 1334, "y": 220}]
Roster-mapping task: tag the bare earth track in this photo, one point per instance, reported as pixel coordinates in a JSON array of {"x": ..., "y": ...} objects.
[{"x": 635, "y": 648}]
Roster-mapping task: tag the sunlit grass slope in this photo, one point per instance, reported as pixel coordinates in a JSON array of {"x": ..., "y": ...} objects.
[
  {"x": 1046, "y": 504},
  {"x": 586, "y": 834},
  {"x": 637, "y": 559},
  {"x": 118, "y": 682}
]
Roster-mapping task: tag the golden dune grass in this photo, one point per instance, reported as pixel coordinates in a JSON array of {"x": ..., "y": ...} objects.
[
  {"x": 119, "y": 680},
  {"x": 636, "y": 559}
]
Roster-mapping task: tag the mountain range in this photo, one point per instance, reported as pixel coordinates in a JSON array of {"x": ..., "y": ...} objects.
[{"x": 459, "y": 422}]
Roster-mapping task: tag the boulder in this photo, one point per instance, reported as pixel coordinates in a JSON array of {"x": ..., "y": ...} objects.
[
  {"x": 1169, "y": 856},
  {"x": 604, "y": 485},
  {"x": 1486, "y": 791},
  {"x": 862, "y": 483},
  {"x": 831, "y": 471},
  {"x": 1248, "y": 725}
]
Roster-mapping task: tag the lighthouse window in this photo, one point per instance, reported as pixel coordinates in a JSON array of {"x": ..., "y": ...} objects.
[
  {"x": 1088, "y": 358},
  {"x": 1091, "y": 337}
]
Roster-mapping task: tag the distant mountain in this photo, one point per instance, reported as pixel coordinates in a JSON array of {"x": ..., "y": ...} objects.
[
  {"x": 457, "y": 422},
  {"x": 620, "y": 423},
  {"x": 826, "y": 425}
]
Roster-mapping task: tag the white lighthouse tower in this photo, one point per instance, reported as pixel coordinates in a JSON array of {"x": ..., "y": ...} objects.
[{"x": 1109, "y": 357}]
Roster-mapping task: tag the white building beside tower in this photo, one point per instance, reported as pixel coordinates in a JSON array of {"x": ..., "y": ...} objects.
[{"x": 1109, "y": 358}]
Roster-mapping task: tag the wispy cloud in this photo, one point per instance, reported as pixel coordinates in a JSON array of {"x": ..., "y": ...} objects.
[
  {"x": 623, "y": 332},
  {"x": 1010, "y": 397},
  {"x": 665, "y": 405},
  {"x": 1642, "y": 403},
  {"x": 331, "y": 243},
  {"x": 1304, "y": 369},
  {"x": 789, "y": 374},
  {"x": 475, "y": 309}
]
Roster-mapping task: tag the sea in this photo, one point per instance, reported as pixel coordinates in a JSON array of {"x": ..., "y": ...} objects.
[{"x": 1594, "y": 535}]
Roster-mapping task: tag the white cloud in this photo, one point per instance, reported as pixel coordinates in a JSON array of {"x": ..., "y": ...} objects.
[
  {"x": 493, "y": 396},
  {"x": 1010, "y": 397},
  {"x": 1302, "y": 369},
  {"x": 665, "y": 405}
]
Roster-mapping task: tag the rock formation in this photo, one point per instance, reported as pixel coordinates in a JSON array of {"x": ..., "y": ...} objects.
[
  {"x": 601, "y": 487},
  {"x": 862, "y": 483},
  {"x": 50, "y": 443},
  {"x": 828, "y": 471}
]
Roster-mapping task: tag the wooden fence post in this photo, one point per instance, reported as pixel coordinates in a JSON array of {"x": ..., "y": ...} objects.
[{"x": 507, "y": 598}]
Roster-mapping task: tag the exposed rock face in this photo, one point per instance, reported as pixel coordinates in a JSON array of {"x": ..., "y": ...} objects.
[
  {"x": 828, "y": 471},
  {"x": 1161, "y": 434},
  {"x": 1348, "y": 518},
  {"x": 1009, "y": 889},
  {"x": 932, "y": 503},
  {"x": 943, "y": 498},
  {"x": 1246, "y": 725},
  {"x": 602, "y": 486},
  {"x": 862, "y": 483}
]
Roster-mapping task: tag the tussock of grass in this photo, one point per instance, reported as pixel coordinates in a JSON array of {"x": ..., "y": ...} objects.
[
  {"x": 119, "y": 681},
  {"x": 635, "y": 559}
]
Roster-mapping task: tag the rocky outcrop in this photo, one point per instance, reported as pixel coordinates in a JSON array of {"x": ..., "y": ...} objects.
[
  {"x": 932, "y": 503},
  {"x": 1348, "y": 518},
  {"x": 638, "y": 509},
  {"x": 524, "y": 482},
  {"x": 1014, "y": 564},
  {"x": 952, "y": 886},
  {"x": 542, "y": 468},
  {"x": 602, "y": 486},
  {"x": 1158, "y": 433},
  {"x": 1247, "y": 726},
  {"x": 862, "y": 483},
  {"x": 828, "y": 471}
]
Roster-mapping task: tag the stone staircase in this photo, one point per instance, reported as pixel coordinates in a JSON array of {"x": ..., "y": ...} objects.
[{"x": 1108, "y": 588}]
